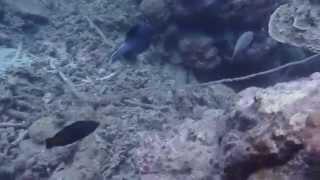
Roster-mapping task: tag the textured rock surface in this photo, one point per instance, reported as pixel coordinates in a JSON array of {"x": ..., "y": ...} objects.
[
  {"x": 190, "y": 151},
  {"x": 86, "y": 164},
  {"x": 34, "y": 160},
  {"x": 11, "y": 58},
  {"x": 32, "y": 7},
  {"x": 198, "y": 52},
  {"x": 157, "y": 11},
  {"x": 42, "y": 129},
  {"x": 199, "y": 11},
  {"x": 297, "y": 23},
  {"x": 274, "y": 128}
]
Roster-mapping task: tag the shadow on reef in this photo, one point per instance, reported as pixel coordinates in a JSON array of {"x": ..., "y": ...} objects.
[
  {"x": 279, "y": 57},
  {"x": 203, "y": 36},
  {"x": 210, "y": 54}
]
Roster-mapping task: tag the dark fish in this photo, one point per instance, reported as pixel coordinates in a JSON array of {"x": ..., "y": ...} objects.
[
  {"x": 137, "y": 40},
  {"x": 72, "y": 133}
]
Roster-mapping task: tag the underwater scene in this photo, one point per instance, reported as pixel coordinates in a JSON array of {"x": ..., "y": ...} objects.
[{"x": 159, "y": 90}]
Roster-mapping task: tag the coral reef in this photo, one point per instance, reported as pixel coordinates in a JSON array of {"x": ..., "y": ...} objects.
[
  {"x": 153, "y": 124},
  {"x": 279, "y": 131},
  {"x": 189, "y": 152},
  {"x": 198, "y": 52},
  {"x": 296, "y": 23},
  {"x": 157, "y": 12},
  {"x": 215, "y": 26}
]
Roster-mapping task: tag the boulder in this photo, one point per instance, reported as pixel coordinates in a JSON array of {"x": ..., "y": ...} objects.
[
  {"x": 275, "y": 128},
  {"x": 297, "y": 23}
]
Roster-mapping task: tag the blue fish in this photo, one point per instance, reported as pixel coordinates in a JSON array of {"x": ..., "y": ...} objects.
[
  {"x": 138, "y": 39},
  {"x": 242, "y": 44}
]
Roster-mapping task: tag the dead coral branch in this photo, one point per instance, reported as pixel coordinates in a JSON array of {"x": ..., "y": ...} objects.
[{"x": 305, "y": 60}]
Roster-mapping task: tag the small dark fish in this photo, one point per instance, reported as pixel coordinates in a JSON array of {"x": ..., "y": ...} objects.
[
  {"x": 72, "y": 133},
  {"x": 137, "y": 40}
]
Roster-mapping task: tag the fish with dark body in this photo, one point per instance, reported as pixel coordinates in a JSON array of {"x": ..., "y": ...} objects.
[
  {"x": 72, "y": 133},
  {"x": 242, "y": 44},
  {"x": 137, "y": 40}
]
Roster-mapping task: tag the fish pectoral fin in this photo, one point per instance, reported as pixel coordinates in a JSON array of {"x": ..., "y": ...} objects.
[
  {"x": 49, "y": 143},
  {"x": 131, "y": 56},
  {"x": 118, "y": 52},
  {"x": 229, "y": 58}
]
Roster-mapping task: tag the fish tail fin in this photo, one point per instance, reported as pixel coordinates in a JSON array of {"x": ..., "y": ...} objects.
[
  {"x": 117, "y": 53},
  {"x": 229, "y": 59},
  {"x": 114, "y": 56},
  {"x": 233, "y": 55},
  {"x": 49, "y": 143}
]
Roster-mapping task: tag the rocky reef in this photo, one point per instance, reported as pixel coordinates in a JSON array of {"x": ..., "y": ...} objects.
[
  {"x": 157, "y": 119},
  {"x": 272, "y": 132},
  {"x": 201, "y": 35}
]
